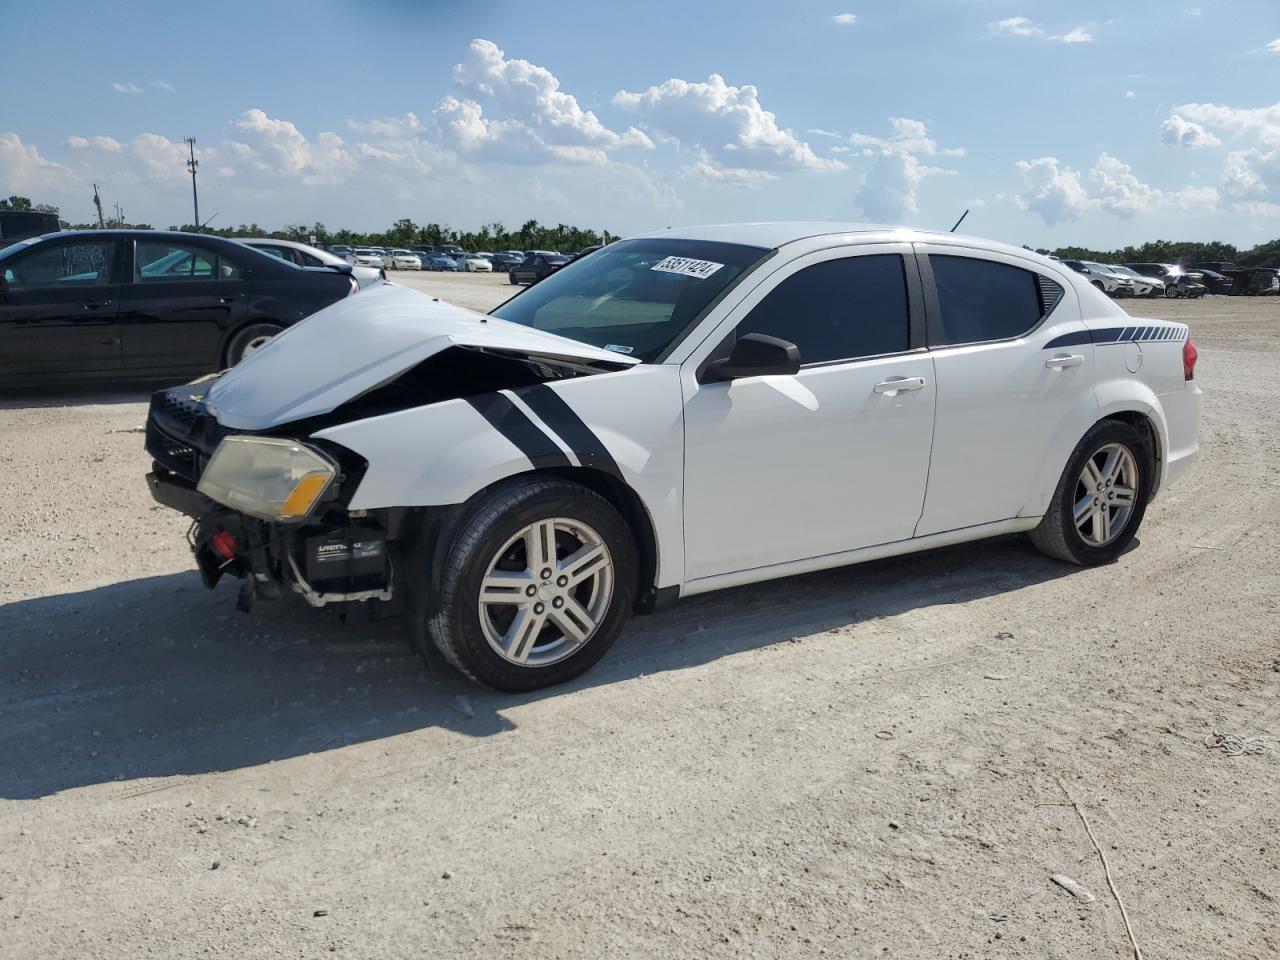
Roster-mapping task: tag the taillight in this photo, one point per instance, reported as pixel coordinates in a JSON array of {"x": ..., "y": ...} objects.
[{"x": 1189, "y": 357}]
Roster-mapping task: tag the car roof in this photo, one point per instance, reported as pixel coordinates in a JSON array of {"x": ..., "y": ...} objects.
[{"x": 771, "y": 235}]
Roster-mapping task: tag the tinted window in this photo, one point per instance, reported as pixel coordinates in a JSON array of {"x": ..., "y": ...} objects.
[
  {"x": 164, "y": 261},
  {"x": 838, "y": 310},
  {"x": 981, "y": 300},
  {"x": 61, "y": 265}
]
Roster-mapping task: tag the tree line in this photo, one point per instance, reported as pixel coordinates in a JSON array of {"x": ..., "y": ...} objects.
[{"x": 535, "y": 236}]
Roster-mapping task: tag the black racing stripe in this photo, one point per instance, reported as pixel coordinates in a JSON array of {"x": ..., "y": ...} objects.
[
  {"x": 561, "y": 418},
  {"x": 514, "y": 424},
  {"x": 1072, "y": 339}
]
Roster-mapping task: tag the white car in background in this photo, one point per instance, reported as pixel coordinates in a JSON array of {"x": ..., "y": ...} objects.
[
  {"x": 675, "y": 414},
  {"x": 1142, "y": 286},
  {"x": 402, "y": 260},
  {"x": 369, "y": 257},
  {"x": 474, "y": 263},
  {"x": 304, "y": 255}
]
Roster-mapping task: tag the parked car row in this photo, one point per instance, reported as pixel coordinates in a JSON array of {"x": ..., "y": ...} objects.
[
  {"x": 1174, "y": 280},
  {"x": 451, "y": 257}
]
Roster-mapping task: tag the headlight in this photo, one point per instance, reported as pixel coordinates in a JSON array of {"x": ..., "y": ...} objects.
[{"x": 267, "y": 477}]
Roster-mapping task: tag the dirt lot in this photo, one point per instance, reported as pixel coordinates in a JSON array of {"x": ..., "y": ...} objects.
[{"x": 858, "y": 763}]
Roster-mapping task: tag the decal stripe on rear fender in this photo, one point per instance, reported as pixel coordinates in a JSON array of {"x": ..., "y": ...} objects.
[
  {"x": 577, "y": 436},
  {"x": 512, "y": 422},
  {"x": 1118, "y": 335}
]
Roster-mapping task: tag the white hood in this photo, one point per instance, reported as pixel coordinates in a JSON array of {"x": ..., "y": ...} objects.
[{"x": 357, "y": 344}]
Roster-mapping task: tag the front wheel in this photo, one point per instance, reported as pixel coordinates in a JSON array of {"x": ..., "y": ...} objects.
[
  {"x": 536, "y": 587},
  {"x": 1101, "y": 498},
  {"x": 1171, "y": 291}
]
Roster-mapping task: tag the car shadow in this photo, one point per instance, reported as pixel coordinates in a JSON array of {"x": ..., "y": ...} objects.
[
  {"x": 159, "y": 678},
  {"x": 14, "y": 398}
]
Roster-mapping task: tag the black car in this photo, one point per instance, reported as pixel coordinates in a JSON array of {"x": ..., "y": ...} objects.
[
  {"x": 504, "y": 260},
  {"x": 142, "y": 304},
  {"x": 536, "y": 266},
  {"x": 1213, "y": 281}
]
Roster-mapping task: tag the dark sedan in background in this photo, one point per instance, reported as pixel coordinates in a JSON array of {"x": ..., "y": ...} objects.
[
  {"x": 536, "y": 266},
  {"x": 143, "y": 304}
]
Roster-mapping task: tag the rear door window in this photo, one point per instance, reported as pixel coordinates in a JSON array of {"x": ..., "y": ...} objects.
[
  {"x": 982, "y": 300},
  {"x": 165, "y": 261}
]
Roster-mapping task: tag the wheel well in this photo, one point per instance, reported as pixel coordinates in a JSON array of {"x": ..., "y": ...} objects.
[{"x": 1142, "y": 423}]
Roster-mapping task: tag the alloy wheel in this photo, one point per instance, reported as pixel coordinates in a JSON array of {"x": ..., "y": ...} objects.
[
  {"x": 545, "y": 592},
  {"x": 1106, "y": 492}
]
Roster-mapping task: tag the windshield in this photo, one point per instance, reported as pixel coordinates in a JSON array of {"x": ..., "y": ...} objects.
[{"x": 635, "y": 297}]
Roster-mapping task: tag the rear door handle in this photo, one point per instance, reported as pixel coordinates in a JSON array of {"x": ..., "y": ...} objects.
[
  {"x": 894, "y": 385},
  {"x": 1061, "y": 361},
  {"x": 96, "y": 305}
]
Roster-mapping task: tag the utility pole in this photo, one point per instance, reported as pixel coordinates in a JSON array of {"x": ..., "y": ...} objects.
[
  {"x": 97, "y": 202},
  {"x": 192, "y": 164}
]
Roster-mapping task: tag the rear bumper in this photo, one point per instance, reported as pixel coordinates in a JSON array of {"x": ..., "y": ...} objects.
[{"x": 1182, "y": 410}]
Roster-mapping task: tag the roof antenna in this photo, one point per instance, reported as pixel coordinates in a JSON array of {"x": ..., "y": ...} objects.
[{"x": 960, "y": 221}]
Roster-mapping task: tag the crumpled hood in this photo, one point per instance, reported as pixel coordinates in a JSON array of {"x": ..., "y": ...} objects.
[{"x": 357, "y": 344}]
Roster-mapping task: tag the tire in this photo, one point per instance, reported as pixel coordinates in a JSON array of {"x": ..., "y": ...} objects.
[
  {"x": 1058, "y": 534},
  {"x": 521, "y": 645},
  {"x": 1171, "y": 291},
  {"x": 513, "y": 280},
  {"x": 249, "y": 338}
]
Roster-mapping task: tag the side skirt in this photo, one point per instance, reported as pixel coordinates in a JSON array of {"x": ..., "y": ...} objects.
[{"x": 739, "y": 578}]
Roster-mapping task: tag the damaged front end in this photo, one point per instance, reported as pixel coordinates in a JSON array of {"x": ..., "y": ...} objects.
[
  {"x": 305, "y": 539},
  {"x": 243, "y": 453}
]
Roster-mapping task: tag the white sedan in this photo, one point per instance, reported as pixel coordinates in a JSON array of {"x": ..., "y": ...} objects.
[
  {"x": 402, "y": 260},
  {"x": 368, "y": 257},
  {"x": 472, "y": 263},
  {"x": 305, "y": 255},
  {"x": 675, "y": 414}
]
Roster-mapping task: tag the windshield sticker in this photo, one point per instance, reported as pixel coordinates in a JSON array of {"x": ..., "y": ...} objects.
[
  {"x": 698, "y": 269},
  {"x": 620, "y": 347}
]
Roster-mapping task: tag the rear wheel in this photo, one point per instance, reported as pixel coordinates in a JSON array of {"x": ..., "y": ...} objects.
[
  {"x": 1171, "y": 291},
  {"x": 536, "y": 588},
  {"x": 1101, "y": 498},
  {"x": 248, "y": 339}
]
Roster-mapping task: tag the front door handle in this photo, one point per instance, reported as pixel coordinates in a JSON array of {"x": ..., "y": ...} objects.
[
  {"x": 1061, "y": 361},
  {"x": 96, "y": 305},
  {"x": 895, "y": 385}
]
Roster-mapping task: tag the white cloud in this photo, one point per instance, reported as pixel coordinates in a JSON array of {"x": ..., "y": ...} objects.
[
  {"x": 163, "y": 85},
  {"x": 279, "y": 147},
  {"x": 23, "y": 169},
  {"x": 909, "y": 136},
  {"x": 1016, "y": 27},
  {"x": 1129, "y": 95},
  {"x": 1119, "y": 192},
  {"x": 708, "y": 171},
  {"x": 1181, "y": 132},
  {"x": 1057, "y": 194},
  {"x": 126, "y": 87},
  {"x": 845, "y": 19},
  {"x": 1274, "y": 46},
  {"x": 1078, "y": 35},
  {"x": 1251, "y": 172},
  {"x": 535, "y": 104},
  {"x": 819, "y": 132},
  {"x": 1052, "y": 191},
  {"x": 892, "y": 186},
  {"x": 725, "y": 122},
  {"x": 890, "y": 190},
  {"x": 108, "y": 144}
]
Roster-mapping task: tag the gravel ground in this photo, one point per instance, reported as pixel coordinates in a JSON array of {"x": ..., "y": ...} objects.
[{"x": 864, "y": 762}]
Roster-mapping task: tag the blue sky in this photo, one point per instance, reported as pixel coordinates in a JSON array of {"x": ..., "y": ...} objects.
[{"x": 1093, "y": 123}]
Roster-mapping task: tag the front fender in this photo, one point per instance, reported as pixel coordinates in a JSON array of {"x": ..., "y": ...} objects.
[{"x": 628, "y": 423}]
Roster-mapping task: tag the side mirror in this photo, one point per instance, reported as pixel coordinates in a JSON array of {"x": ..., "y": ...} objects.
[{"x": 755, "y": 355}]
